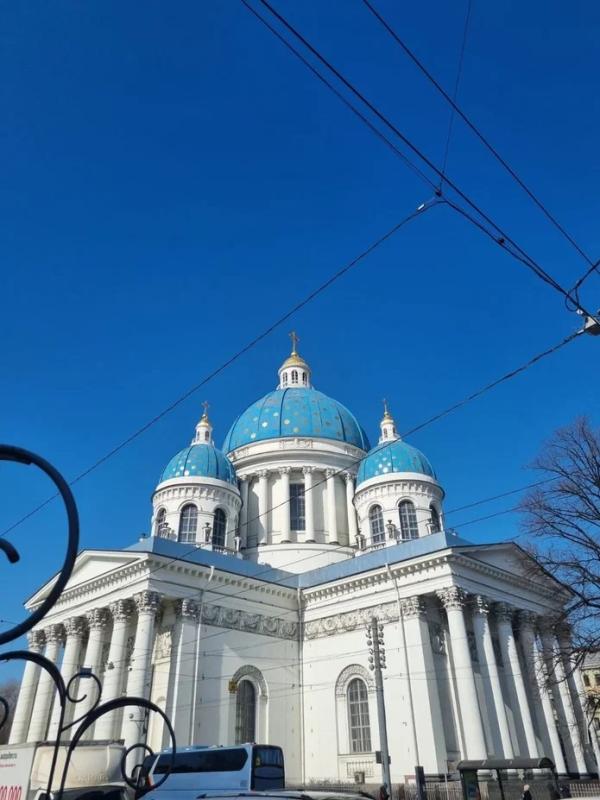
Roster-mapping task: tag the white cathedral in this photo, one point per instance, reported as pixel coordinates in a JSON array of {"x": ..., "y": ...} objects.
[{"x": 243, "y": 614}]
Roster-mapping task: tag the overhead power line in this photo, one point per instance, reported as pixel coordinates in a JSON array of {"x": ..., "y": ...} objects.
[
  {"x": 483, "y": 139},
  {"x": 501, "y": 237}
]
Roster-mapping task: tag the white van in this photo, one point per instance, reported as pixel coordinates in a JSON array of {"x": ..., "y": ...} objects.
[{"x": 249, "y": 767}]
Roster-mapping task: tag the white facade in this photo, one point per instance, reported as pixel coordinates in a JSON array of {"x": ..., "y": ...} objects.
[{"x": 244, "y": 616}]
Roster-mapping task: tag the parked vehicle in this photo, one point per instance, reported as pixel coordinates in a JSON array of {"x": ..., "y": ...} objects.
[
  {"x": 25, "y": 768},
  {"x": 198, "y": 770}
]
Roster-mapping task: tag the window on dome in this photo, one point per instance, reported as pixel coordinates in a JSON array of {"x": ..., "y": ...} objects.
[
  {"x": 245, "y": 713},
  {"x": 359, "y": 723},
  {"x": 219, "y": 528},
  {"x": 304, "y": 378},
  {"x": 376, "y": 524},
  {"x": 435, "y": 520},
  {"x": 188, "y": 524},
  {"x": 284, "y": 379},
  {"x": 297, "y": 508},
  {"x": 160, "y": 527},
  {"x": 408, "y": 521},
  {"x": 294, "y": 376}
]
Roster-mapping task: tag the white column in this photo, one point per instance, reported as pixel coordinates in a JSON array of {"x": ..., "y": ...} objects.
[
  {"x": 97, "y": 621},
  {"x": 138, "y": 682},
  {"x": 112, "y": 687},
  {"x": 424, "y": 698},
  {"x": 563, "y": 704},
  {"x": 309, "y": 505},
  {"x": 20, "y": 724},
  {"x": 263, "y": 505},
  {"x": 284, "y": 509},
  {"x": 538, "y": 676},
  {"x": 244, "y": 485},
  {"x": 577, "y": 694},
  {"x": 55, "y": 636},
  {"x": 352, "y": 523},
  {"x": 332, "y": 532},
  {"x": 489, "y": 672},
  {"x": 181, "y": 672},
  {"x": 454, "y": 600},
  {"x": 514, "y": 676},
  {"x": 75, "y": 629}
]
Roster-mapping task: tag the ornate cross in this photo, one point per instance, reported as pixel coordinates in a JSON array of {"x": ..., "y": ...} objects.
[
  {"x": 295, "y": 339},
  {"x": 205, "y": 406}
]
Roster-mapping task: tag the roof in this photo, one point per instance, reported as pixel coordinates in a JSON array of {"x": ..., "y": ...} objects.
[
  {"x": 294, "y": 412},
  {"x": 393, "y": 457},
  {"x": 200, "y": 461}
]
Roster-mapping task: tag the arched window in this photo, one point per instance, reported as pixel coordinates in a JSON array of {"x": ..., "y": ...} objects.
[
  {"x": 435, "y": 520},
  {"x": 219, "y": 528},
  {"x": 160, "y": 525},
  {"x": 408, "y": 521},
  {"x": 294, "y": 376},
  {"x": 376, "y": 524},
  {"x": 245, "y": 712},
  {"x": 188, "y": 523},
  {"x": 586, "y": 680},
  {"x": 284, "y": 379},
  {"x": 304, "y": 378},
  {"x": 358, "y": 717}
]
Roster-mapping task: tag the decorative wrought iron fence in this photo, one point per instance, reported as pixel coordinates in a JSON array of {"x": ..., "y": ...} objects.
[{"x": 130, "y": 761}]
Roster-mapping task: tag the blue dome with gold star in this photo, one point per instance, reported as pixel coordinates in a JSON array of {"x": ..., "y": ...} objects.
[
  {"x": 393, "y": 457},
  {"x": 200, "y": 461},
  {"x": 289, "y": 412}
]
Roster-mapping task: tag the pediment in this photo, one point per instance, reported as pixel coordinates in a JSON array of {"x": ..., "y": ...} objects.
[{"x": 89, "y": 566}]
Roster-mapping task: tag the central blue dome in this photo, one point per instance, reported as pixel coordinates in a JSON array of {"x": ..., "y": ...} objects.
[
  {"x": 295, "y": 412},
  {"x": 200, "y": 461},
  {"x": 390, "y": 457}
]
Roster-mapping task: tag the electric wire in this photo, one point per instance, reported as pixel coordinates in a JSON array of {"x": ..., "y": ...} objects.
[
  {"x": 471, "y": 125},
  {"x": 527, "y": 260}
]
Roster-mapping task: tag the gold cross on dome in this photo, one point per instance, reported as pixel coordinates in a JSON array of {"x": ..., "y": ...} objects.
[
  {"x": 205, "y": 406},
  {"x": 295, "y": 339}
]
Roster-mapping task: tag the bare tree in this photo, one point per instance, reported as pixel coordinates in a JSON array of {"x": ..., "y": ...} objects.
[
  {"x": 562, "y": 519},
  {"x": 10, "y": 692}
]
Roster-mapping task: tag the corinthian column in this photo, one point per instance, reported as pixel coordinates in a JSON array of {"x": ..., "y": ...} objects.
[
  {"x": 454, "y": 600},
  {"x": 181, "y": 673},
  {"x": 331, "y": 511},
  {"x": 352, "y": 525},
  {"x": 489, "y": 672},
  {"x": 22, "y": 717},
  {"x": 263, "y": 505},
  {"x": 510, "y": 656},
  {"x": 98, "y": 621},
  {"x": 122, "y": 612},
  {"x": 284, "y": 510},
  {"x": 75, "y": 630},
  {"x": 538, "y": 678},
  {"x": 244, "y": 486},
  {"x": 55, "y": 636},
  {"x": 309, "y": 505},
  {"x": 138, "y": 683}
]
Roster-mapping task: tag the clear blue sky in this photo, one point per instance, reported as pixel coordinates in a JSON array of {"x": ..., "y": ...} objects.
[{"x": 172, "y": 180}]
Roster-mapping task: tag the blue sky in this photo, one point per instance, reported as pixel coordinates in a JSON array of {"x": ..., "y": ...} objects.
[{"x": 173, "y": 180}]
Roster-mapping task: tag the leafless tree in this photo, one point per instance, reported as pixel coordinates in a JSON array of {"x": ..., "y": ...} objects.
[{"x": 9, "y": 691}]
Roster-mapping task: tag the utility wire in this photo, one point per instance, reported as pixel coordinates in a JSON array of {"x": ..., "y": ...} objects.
[
  {"x": 501, "y": 235},
  {"x": 251, "y": 344},
  {"x": 456, "y": 108},
  {"x": 456, "y": 87}
]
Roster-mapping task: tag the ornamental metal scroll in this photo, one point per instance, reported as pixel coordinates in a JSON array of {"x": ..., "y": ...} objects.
[{"x": 65, "y": 692}]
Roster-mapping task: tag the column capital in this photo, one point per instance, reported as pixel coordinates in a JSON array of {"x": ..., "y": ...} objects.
[
  {"x": 481, "y": 605},
  {"x": 452, "y": 597},
  {"x": 330, "y": 473},
  {"x": 97, "y": 619},
  {"x": 527, "y": 620},
  {"x": 121, "y": 610},
  {"x": 263, "y": 473},
  {"x": 36, "y": 640},
  {"x": 55, "y": 634},
  {"x": 284, "y": 470},
  {"x": 147, "y": 602},
  {"x": 413, "y": 606},
  {"x": 187, "y": 608},
  {"x": 245, "y": 478},
  {"x": 308, "y": 470},
  {"x": 504, "y": 612},
  {"x": 349, "y": 476},
  {"x": 75, "y": 627}
]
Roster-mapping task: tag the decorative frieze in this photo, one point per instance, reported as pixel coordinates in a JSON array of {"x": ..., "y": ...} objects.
[
  {"x": 163, "y": 644},
  {"x": 235, "y": 619},
  {"x": 437, "y": 635},
  {"x": 187, "y": 609},
  {"x": 349, "y": 620}
]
